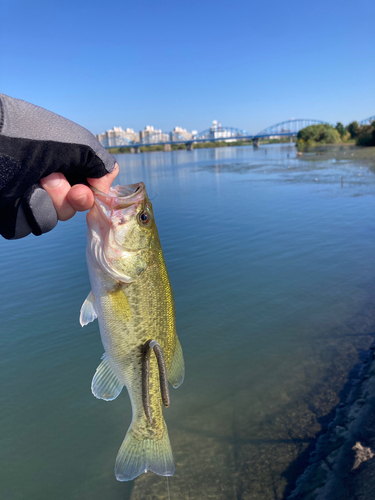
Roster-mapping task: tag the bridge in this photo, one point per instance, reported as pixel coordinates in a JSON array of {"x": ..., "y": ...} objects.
[
  {"x": 367, "y": 121},
  {"x": 289, "y": 128}
]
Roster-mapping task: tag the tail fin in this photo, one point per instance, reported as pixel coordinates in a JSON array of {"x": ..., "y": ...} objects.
[{"x": 137, "y": 456}]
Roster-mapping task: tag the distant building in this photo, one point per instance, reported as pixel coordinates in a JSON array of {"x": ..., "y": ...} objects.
[
  {"x": 117, "y": 137},
  {"x": 149, "y": 130},
  {"x": 152, "y": 136},
  {"x": 183, "y": 133},
  {"x": 217, "y": 133}
]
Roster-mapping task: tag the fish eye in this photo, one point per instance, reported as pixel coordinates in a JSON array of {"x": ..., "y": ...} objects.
[{"x": 144, "y": 218}]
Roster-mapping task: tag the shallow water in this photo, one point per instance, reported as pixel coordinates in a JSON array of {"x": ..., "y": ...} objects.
[{"x": 271, "y": 258}]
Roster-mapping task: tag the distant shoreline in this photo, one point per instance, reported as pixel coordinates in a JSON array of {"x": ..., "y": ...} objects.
[{"x": 200, "y": 145}]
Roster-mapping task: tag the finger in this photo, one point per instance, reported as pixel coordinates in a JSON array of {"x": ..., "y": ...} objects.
[
  {"x": 105, "y": 182},
  {"x": 80, "y": 197},
  {"x": 58, "y": 187}
]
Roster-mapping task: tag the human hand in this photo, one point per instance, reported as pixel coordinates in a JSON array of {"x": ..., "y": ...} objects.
[
  {"x": 45, "y": 160},
  {"x": 68, "y": 199}
]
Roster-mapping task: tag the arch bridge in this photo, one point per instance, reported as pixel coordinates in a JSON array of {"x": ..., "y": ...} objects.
[
  {"x": 367, "y": 121},
  {"x": 289, "y": 128}
]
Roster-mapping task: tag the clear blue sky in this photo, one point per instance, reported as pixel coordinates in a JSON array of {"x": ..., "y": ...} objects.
[{"x": 247, "y": 64}]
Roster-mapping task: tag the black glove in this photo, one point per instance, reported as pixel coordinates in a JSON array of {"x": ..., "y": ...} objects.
[{"x": 33, "y": 144}]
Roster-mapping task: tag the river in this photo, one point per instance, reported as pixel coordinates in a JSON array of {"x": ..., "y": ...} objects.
[{"x": 271, "y": 258}]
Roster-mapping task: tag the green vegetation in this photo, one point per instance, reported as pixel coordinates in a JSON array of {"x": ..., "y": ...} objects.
[
  {"x": 128, "y": 149},
  {"x": 340, "y": 129},
  {"x": 353, "y": 128},
  {"x": 201, "y": 145},
  {"x": 362, "y": 135},
  {"x": 314, "y": 135},
  {"x": 176, "y": 147},
  {"x": 281, "y": 140},
  {"x": 220, "y": 144},
  {"x": 317, "y": 135},
  {"x": 343, "y": 131},
  {"x": 366, "y": 135}
]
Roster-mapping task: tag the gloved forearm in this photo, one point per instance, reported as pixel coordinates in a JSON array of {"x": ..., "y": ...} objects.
[{"x": 33, "y": 144}]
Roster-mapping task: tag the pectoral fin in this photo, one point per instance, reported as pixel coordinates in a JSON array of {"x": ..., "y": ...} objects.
[
  {"x": 176, "y": 372},
  {"x": 88, "y": 311},
  {"x": 105, "y": 384}
]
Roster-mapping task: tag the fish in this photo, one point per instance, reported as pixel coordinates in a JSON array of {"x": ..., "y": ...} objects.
[{"x": 132, "y": 298}]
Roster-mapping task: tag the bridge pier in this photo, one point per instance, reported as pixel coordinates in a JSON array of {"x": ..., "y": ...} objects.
[
  {"x": 256, "y": 142},
  {"x": 167, "y": 148},
  {"x": 189, "y": 146},
  {"x": 136, "y": 149}
]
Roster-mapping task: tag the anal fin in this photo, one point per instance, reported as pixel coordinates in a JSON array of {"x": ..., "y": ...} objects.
[
  {"x": 176, "y": 372},
  {"x": 105, "y": 384}
]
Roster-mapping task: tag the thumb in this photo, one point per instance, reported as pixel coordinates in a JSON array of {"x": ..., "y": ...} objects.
[{"x": 104, "y": 183}]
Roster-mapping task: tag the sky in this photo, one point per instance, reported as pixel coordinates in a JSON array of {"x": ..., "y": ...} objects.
[{"x": 135, "y": 63}]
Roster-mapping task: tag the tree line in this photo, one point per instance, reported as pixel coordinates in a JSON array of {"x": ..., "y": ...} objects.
[{"x": 363, "y": 135}]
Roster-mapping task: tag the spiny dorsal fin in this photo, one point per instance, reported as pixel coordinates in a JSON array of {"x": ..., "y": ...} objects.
[
  {"x": 105, "y": 385},
  {"x": 88, "y": 311},
  {"x": 176, "y": 372}
]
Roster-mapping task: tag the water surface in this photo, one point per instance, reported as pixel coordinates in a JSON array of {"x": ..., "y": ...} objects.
[{"x": 271, "y": 258}]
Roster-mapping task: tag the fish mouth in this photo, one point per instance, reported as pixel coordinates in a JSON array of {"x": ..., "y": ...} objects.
[
  {"x": 127, "y": 193},
  {"x": 120, "y": 198}
]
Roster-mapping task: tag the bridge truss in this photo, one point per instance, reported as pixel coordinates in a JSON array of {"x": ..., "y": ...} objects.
[
  {"x": 116, "y": 142},
  {"x": 367, "y": 121},
  {"x": 221, "y": 134},
  {"x": 289, "y": 128}
]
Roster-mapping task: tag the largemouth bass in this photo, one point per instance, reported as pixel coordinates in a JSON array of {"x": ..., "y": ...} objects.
[{"x": 132, "y": 298}]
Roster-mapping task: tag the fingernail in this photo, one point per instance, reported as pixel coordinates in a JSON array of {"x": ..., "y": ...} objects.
[{"x": 53, "y": 181}]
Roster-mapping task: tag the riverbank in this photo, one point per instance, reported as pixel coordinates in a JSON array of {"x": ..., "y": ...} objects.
[
  {"x": 342, "y": 465},
  {"x": 199, "y": 145}
]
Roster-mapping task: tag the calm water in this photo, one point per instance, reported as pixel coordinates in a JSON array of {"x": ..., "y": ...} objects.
[{"x": 272, "y": 264}]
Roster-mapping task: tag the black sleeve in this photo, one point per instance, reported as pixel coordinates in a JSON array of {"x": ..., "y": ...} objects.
[{"x": 33, "y": 144}]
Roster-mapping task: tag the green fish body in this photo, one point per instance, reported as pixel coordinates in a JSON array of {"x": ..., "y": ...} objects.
[{"x": 133, "y": 300}]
